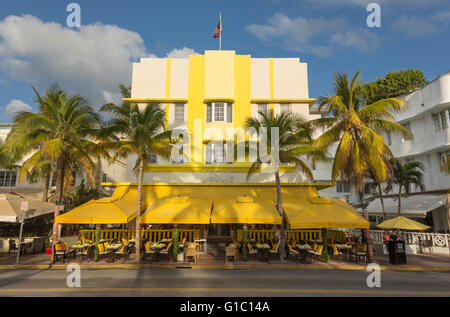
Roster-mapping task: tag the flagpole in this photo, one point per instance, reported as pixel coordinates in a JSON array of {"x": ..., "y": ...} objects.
[{"x": 220, "y": 31}]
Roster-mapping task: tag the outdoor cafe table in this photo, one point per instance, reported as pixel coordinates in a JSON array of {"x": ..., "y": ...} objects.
[
  {"x": 344, "y": 247},
  {"x": 303, "y": 248},
  {"x": 263, "y": 248},
  {"x": 78, "y": 247},
  {"x": 157, "y": 247},
  {"x": 111, "y": 248}
]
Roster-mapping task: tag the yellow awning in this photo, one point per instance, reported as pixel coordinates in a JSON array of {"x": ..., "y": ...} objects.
[
  {"x": 178, "y": 210},
  {"x": 402, "y": 223},
  {"x": 322, "y": 212},
  {"x": 245, "y": 209},
  {"x": 102, "y": 211}
]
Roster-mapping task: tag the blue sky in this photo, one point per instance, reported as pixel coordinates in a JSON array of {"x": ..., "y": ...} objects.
[{"x": 37, "y": 48}]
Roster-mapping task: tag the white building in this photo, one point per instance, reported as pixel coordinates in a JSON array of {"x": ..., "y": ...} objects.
[{"x": 427, "y": 116}]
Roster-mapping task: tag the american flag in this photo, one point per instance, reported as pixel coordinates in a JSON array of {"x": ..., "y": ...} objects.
[{"x": 217, "y": 31}]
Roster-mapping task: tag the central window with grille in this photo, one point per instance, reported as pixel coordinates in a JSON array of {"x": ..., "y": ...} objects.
[{"x": 219, "y": 112}]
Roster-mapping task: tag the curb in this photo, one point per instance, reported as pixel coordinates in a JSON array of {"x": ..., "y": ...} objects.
[{"x": 227, "y": 267}]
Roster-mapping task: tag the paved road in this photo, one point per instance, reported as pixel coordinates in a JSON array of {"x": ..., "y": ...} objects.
[{"x": 216, "y": 282}]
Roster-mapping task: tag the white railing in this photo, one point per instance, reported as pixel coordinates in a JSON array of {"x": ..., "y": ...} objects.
[{"x": 431, "y": 242}]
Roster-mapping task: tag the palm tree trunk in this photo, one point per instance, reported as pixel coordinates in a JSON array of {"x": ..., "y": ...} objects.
[
  {"x": 382, "y": 202},
  {"x": 59, "y": 196},
  {"x": 138, "y": 212},
  {"x": 366, "y": 231},
  {"x": 280, "y": 211},
  {"x": 399, "y": 200},
  {"x": 46, "y": 186}
]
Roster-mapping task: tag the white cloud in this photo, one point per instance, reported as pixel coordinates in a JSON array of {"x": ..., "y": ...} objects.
[
  {"x": 181, "y": 53},
  {"x": 92, "y": 61},
  {"x": 364, "y": 3},
  {"x": 415, "y": 26},
  {"x": 304, "y": 35},
  {"x": 17, "y": 105}
]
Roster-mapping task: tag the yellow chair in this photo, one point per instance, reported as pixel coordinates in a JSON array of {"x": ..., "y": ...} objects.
[
  {"x": 317, "y": 253},
  {"x": 167, "y": 250},
  {"x": 275, "y": 249},
  {"x": 252, "y": 251},
  {"x": 61, "y": 249},
  {"x": 293, "y": 253},
  {"x": 102, "y": 251}
]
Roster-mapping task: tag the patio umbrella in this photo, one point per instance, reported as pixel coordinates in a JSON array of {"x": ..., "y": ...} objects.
[
  {"x": 245, "y": 209},
  {"x": 10, "y": 208},
  {"x": 402, "y": 223},
  {"x": 102, "y": 211},
  {"x": 322, "y": 212},
  {"x": 178, "y": 210}
]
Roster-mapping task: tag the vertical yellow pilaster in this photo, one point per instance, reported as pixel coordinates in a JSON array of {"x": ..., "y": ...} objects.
[{"x": 196, "y": 108}]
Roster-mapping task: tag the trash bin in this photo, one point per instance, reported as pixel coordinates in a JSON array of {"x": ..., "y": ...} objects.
[{"x": 397, "y": 252}]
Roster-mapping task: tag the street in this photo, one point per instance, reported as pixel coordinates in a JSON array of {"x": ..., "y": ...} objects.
[{"x": 221, "y": 282}]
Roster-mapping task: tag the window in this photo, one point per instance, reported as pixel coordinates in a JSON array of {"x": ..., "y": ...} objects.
[
  {"x": 179, "y": 112},
  {"x": 443, "y": 118},
  {"x": 443, "y": 158},
  {"x": 219, "y": 112},
  {"x": 264, "y": 108},
  {"x": 342, "y": 187},
  {"x": 436, "y": 122},
  {"x": 104, "y": 178},
  {"x": 440, "y": 120},
  {"x": 367, "y": 189},
  {"x": 407, "y": 126},
  {"x": 215, "y": 152},
  {"x": 285, "y": 108},
  {"x": 388, "y": 138},
  {"x": 8, "y": 179}
]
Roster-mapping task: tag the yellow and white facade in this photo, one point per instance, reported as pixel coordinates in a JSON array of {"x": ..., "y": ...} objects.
[{"x": 208, "y": 94}]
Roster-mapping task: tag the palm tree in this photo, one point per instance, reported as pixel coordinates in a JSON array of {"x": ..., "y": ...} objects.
[
  {"x": 406, "y": 175},
  {"x": 376, "y": 184},
  {"x": 140, "y": 132},
  {"x": 294, "y": 144},
  {"x": 59, "y": 133},
  {"x": 355, "y": 128}
]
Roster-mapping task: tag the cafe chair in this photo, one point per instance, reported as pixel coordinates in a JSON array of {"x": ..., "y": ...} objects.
[
  {"x": 102, "y": 251},
  {"x": 87, "y": 253},
  {"x": 252, "y": 251},
  {"x": 148, "y": 250},
  {"x": 191, "y": 252},
  {"x": 231, "y": 252},
  {"x": 274, "y": 250},
  {"x": 167, "y": 251},
  {"x": 293, "y": 253},
  {"x": 123, "y": 252},
  {"x": 316, "y": 253},
  {"x": 61, "y": 250}
]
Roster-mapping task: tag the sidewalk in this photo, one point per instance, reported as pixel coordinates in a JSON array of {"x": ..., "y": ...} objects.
[{"x": 426, "y": 262}]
